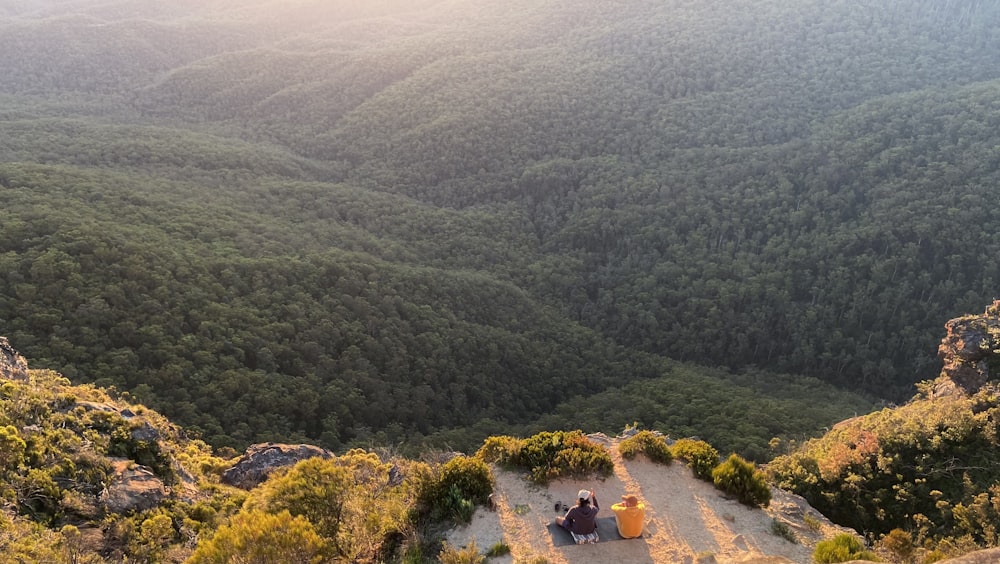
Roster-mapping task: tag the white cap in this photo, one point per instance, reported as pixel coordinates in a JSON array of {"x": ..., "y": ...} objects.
[{"x": 584, "y": 494}]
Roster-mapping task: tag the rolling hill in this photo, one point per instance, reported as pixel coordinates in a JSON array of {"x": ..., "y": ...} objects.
[{"x": 431, "y": 221}]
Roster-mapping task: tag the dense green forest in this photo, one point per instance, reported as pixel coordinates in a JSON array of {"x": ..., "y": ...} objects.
[{"x": 435, "y": 220}]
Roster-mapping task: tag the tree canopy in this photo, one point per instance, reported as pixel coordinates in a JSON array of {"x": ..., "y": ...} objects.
[{"x": 408, "y": 221}]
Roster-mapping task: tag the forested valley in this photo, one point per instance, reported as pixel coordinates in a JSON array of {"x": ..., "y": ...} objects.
[{"x": 429, "y": 221}]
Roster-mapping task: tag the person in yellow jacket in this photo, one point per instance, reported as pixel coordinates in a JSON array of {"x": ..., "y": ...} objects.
[{"x": 629, "y": 516}]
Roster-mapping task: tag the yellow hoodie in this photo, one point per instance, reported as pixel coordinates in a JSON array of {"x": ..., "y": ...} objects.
[{"x": 629, "y": 519}]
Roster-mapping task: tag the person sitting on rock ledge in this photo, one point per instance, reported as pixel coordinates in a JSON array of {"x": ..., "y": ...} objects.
[
  {"x": 629, "y": 516},
  {"x": 581, "y": 519}
]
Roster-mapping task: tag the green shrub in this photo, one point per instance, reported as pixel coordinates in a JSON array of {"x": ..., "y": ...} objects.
[
  {"x": 812, "y": 522},
  {"x": 499, "y": 549},
  {"x": 499, "y": 448},
  {"x": 701, "y": 457},
  {"x": 842, "y": 548},
  {"x": 532, "y": 559},
  {"x": 899, "y": 543},
  {"x": 739, "y": 477},
  {"x": 652, "y": 445},
  {"x": 346, "y": 499},
  {"x": 934, "y": 556},
  {"x": 12, "y": 448},
  {"x": 781, "y": 529},
  {"x": 467, "y": 555},
  {"x": 549, "y": 455},
  {"x": 256, "y": 536},
  {"x": 27, "y": 541},
  {"x": 38, "y": 495},
  {"x": 451, "y": 505},
  {"x": 463, "y": 482},
  {"x": 470, "y": 475}
]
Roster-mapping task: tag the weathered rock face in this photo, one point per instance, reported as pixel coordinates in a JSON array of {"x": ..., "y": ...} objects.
[
  {"x": 261, "y": 460},
  {"x": 12, "y": 365},
  {"x": 970, "y": 347},
  {"x": 133, "y": 488},
  {"x": 145, "y": 432},
  {"x": 989, "y": 556}
]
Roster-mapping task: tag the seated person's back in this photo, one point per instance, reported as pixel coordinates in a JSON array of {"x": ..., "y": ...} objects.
[
  {"x": 629, "y": 516},
  {"x": 581, "y": 519}
]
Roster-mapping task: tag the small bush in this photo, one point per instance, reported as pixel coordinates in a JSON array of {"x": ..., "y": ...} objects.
[
  {"x": 532, "y": 559},
  {"x": 934, "y": 556},
  {"x": 499, "y": 549},
  {"x": 782, "y": 530},
  {"x": 471, "y": 476},
  {"x": 652, "y": 445},
  {"x": 739, "y": 477},
  {"x": 499, "y": 448},
  {"x": 812, "y": 522},
  {"x": 467, "y": 555},
  {"x": 899, "y": 543},
  {"x": 842, "y": 548},
  {"x": 549, "y": 455},
  {"x": 463, "y": 483},
  {"x": 256, "y": 536},
  {"x": 701, "y": 457},
  {"x": 455, "y": 507}
]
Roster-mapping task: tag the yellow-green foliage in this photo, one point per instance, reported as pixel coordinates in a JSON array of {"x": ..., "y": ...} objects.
[
  {"x": 462, "y": 483},
  {"x": 23, "y": 541},
  {"x": 842, "y": 548},
  {"x": 256, "y": 536},
  {"x": 499, "y": 448},
  {"x": 905, "y": 460},
  {"x": 738, "y": 477},
  {"x": 701, "y": 457},
  {"x": 54, "y": 461},
  {"x": 472, "y": 476},
  {"x": 12, "y": 448},
  {"x": 654, "y": 446},
  {"x": 549, "y": 455},
  {"x": 154, "y": 534},
  {"x": 348, "y": 499},
  {"x": 899, "y": 543},
  {"x": 498, "y": 549},
  {"x": 198, "y": 459},
  {"x": 811, "y": 522},
  {"x": 781, "y": 529},
  {"x": 468, "y": 555}
]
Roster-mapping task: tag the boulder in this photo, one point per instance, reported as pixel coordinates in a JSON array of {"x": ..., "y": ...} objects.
[
  {"x": 132, "y": 488},
  {"x": 145, "y": 432},
  {"x": 971, "y": 345},
  {"x": 989, "y": 556},
  {"x": 12, "y": 365},
  {"x": 261, "y": 460}
]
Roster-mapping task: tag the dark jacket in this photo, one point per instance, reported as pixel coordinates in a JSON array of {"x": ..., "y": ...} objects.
[{"x": 582, "y": 519}]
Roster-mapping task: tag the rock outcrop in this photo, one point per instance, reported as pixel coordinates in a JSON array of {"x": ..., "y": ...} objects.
[
  {"x": 133, "y": 488},
  {"x": 971, "y": 350},
  {"x": 261, "y": 460},
  {"x": 989, "y": 556},
  {"x": 12, "y": 365}
]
